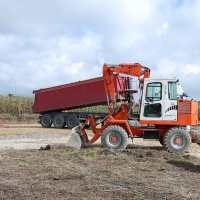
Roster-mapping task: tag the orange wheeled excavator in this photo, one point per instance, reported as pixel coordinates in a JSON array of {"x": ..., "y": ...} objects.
[{"x": 163, "y": 115}]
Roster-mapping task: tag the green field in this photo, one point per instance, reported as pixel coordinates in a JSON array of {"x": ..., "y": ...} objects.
[{"x": 18, "y": 105}]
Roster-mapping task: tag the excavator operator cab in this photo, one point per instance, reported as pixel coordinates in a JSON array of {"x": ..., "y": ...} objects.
[{"x": 159, "y": 99}]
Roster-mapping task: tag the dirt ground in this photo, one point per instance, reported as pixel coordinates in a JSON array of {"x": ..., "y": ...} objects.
[{"x": 144, "y": 170}]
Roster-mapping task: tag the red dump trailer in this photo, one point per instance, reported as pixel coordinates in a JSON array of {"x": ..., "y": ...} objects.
[{"x": 54, "y": 103}]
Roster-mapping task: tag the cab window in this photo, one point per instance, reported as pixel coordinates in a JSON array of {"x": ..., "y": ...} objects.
[
  {"x": 172, "y": 90},
  {"x": 154, "y": 92}
]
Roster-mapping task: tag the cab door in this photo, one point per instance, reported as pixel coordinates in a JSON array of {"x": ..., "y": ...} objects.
[
  {"x": 152, "y": 100},
  {"x": 170, "y": 104}
]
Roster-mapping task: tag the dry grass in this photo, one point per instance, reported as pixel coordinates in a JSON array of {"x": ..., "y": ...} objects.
[{"x": 15, "y": 105}]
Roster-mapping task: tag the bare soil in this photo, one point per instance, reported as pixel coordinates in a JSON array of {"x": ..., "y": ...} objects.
[{"x": 144, "y": 170}]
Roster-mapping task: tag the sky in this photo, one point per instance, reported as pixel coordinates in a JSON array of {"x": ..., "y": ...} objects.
[{"x": 45, "y": 43}]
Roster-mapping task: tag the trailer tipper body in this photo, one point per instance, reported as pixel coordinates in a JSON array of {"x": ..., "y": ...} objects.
[{"x": 54, "y": 103}]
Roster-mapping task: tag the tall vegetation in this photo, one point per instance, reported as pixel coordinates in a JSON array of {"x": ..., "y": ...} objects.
[
  {"x": 15, "y": 105},
  {"x": 93, "y": 109},
  {"x": 18, "y": 105}
]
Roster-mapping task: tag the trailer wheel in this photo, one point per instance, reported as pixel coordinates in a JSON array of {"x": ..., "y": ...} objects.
[
  {"x": 58, "y": 121},
  {"x": 114, "y": 137},
  {"x": 45, "y": 121},
  {"x": 71, "y": 121},
  {"x": 177, "y": 140}
]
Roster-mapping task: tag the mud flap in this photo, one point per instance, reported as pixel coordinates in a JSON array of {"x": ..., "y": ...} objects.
[{"x": 75, "y": 139}]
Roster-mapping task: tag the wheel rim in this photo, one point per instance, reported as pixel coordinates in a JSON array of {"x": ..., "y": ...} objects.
[
  {"x": 58, "y": 122},
  {"x": 178, "y": 141},
  {"x": 114, "y": 139},
  {"x": 71, "y": 122},
  {"x": 45, "y": 121}
]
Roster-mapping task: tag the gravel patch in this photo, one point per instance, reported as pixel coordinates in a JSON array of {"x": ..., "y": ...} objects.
[
  {"x": 31, "y": 141},
  {"x": 33, "y": 136}
]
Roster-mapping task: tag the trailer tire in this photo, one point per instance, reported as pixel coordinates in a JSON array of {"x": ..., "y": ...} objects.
[
  {"x": 114, "y": 137},
  {"x": 58, "y": 121},
  {"x": 71, "y": 121},
  {"x": 177, "y": 140},
  {"x": 45, "y": 121}
]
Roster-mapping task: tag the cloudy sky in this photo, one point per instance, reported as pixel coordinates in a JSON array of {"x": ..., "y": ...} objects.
[{"x": 51, "y": 42}]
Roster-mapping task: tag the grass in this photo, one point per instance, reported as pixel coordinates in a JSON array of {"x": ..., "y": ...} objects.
[
  {"x": 93, "y": 109},
  {"x": 89, "y": 155},
  {"x": 23, "y": 163}
]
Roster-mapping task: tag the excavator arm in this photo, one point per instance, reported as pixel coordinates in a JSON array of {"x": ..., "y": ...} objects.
[
  {"x": 130, "y": 69},
  {"x": 79, "y": 136}
]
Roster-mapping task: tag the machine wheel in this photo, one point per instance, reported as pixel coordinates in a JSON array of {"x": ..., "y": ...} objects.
[
  {"x": 114, "y": 137},
  {"x": 45, "y": 121},
  {"x": 177, "y": 140},
  {"x": 58, "y": 121},
  {"x": 71, "y": 121}
]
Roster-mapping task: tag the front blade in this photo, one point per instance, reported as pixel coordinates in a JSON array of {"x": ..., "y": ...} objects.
[{"x": 75, "y": 139}]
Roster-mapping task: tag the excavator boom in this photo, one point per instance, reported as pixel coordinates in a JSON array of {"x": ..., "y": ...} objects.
[{"x": 130, "y": 69}]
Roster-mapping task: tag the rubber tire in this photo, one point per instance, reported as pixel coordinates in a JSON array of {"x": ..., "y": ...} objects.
[
  {"x": 169, "y": 143},
  {"x": 45, "y": 121},
  {"x": 119, "y": 132},
  {"x": 58, "y": 121},
  {"x": 71, "y": 121}
]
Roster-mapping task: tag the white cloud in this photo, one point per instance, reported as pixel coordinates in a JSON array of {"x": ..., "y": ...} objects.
[
  {"x": 46, "y": 43},
  {"x": 166, "y": 68},
  {"x": 75, "y": 68},
  {"x": 163, "y": 29},
  {"x": 192, "y": 69}
]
